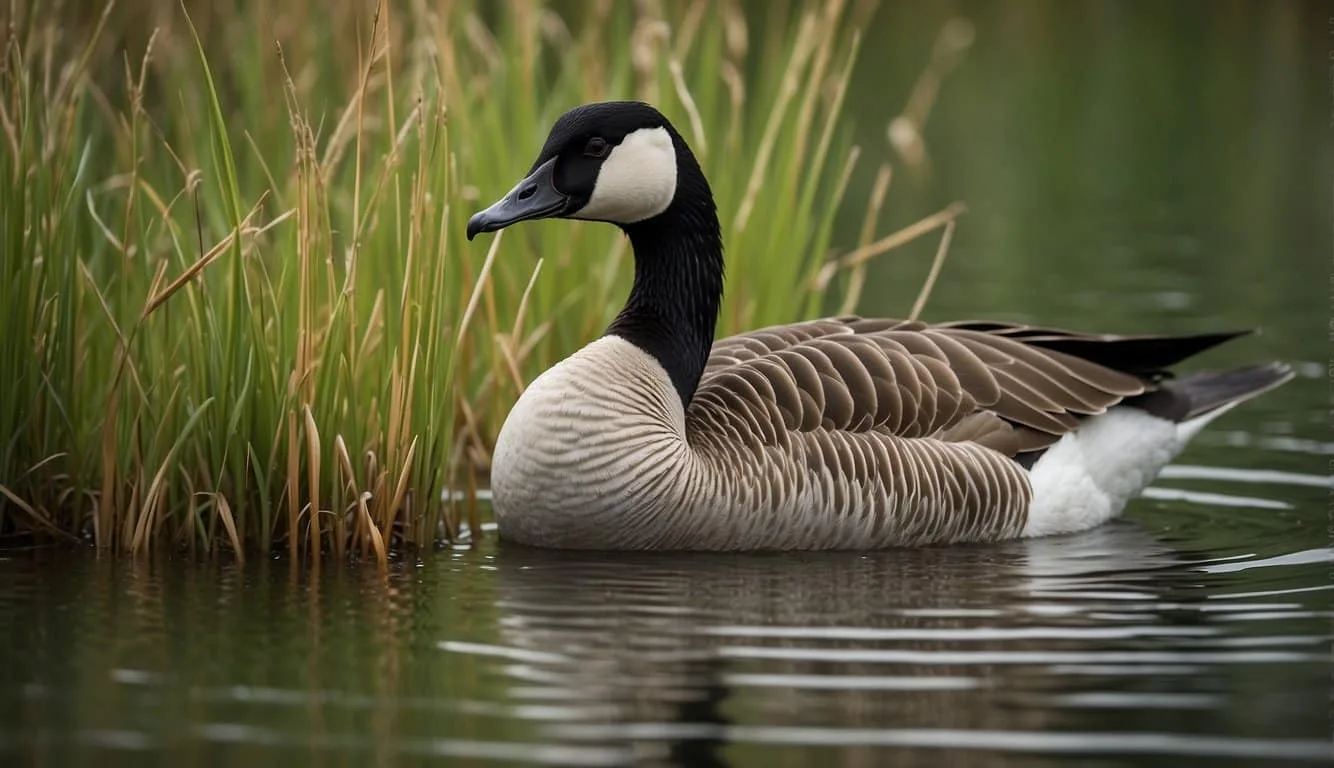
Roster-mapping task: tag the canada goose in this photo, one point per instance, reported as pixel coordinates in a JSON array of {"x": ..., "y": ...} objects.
[{"x": 839, "y": 433}]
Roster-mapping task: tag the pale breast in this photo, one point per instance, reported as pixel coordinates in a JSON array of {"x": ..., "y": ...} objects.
[{"x": 591, "y": 452}]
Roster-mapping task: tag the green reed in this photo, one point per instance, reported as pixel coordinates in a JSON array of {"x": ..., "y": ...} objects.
[{"x": 239, "y": 308}]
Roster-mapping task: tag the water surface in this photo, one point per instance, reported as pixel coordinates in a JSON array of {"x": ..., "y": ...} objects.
[{"x": 1125, "y": 644}]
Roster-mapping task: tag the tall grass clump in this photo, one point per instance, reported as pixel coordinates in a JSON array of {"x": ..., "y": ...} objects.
[{"x": 239, "y": 309}]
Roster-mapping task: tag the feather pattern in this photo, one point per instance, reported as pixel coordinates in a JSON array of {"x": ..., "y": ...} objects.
[{"x": 907, "y": 426}]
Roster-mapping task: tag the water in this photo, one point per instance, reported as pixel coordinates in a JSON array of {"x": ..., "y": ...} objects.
[
  {"x": 1128, "y": 167},
  {"x": 1130, "y": 642}
]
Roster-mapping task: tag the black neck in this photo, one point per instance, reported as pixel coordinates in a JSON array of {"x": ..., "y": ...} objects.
[{"x": 673, "y": 307}]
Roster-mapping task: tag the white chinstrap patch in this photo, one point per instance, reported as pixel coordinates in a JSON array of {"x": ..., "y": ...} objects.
[{"x": 637, "y": 181}]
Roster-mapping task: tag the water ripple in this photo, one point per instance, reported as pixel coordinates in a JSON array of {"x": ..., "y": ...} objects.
[
  {"x": 1001, "y": 657},
  {"x": 964, "y": 634}
]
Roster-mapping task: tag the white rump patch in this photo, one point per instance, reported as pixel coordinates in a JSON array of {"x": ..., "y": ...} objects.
[
  {"x": 637, "y": 181},
  {"x": 1087, "y": 477}
]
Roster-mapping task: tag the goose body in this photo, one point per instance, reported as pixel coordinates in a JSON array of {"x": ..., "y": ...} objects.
[{"x": 839, "y": 433}]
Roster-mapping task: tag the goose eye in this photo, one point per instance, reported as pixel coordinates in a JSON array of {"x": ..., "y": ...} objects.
[{"x": 596, "y": 147}]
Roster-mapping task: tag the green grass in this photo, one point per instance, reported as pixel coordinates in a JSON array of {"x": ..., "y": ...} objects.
[{"x": 239, "y": 309}]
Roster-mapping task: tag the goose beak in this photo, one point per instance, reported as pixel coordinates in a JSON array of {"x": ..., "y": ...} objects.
[{"x": 535, "y": 197}]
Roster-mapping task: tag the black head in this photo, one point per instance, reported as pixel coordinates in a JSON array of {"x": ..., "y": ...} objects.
[{"x": 614, "y": 161}]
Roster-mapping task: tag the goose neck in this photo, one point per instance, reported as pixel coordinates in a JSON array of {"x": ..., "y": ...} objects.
[{"x": 672, "y": 310}]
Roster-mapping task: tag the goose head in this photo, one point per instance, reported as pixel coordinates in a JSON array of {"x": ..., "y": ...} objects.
[
  {"x": 615, "y": 161},
  {"x": 622, "y": 162}
]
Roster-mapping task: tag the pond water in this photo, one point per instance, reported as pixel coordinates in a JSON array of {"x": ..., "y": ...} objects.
[
  {"x": 1127, "y": 167},
  {"x": 1133, "y": 642}
]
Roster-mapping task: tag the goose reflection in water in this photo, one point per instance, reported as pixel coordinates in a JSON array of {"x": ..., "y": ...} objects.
[{"x": 673, "y": 656}]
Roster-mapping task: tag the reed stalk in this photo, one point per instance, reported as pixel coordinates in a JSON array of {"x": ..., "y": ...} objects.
[{"x": 239, "y": 312}]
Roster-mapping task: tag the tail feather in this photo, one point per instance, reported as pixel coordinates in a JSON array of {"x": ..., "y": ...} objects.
[
  {"x": 1209, "y": 393},
  {"x": 1211, "y": 390}
]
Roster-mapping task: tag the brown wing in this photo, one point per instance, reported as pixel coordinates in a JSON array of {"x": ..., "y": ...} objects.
[{"x": 1010, "y": 387}]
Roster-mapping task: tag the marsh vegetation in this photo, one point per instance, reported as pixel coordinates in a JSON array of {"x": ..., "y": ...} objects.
[{"x": 239, "y": 309}]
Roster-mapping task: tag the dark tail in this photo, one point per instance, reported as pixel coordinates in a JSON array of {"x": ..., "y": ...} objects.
[
  {"x": 1197, "y": 394},
  {"x": 1210, "y": 391}
]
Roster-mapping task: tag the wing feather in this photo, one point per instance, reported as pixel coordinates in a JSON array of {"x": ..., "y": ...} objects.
[{"x": 1008, "y": 387}]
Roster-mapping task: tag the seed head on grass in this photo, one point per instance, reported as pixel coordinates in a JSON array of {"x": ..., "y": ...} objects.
[{"x": 239, "y": 309}]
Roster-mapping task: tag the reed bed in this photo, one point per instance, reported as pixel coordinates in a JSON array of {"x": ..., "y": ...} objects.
[{"x": 239, "y": 312}]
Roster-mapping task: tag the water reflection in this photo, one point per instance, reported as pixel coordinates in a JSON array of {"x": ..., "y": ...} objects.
[
  {"x": 1119, "y": 644},
  {"x": 1025, "y": 647}
]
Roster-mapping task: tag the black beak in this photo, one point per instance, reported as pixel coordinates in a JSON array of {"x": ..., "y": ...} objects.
[{"x": 536, "y": 197}]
